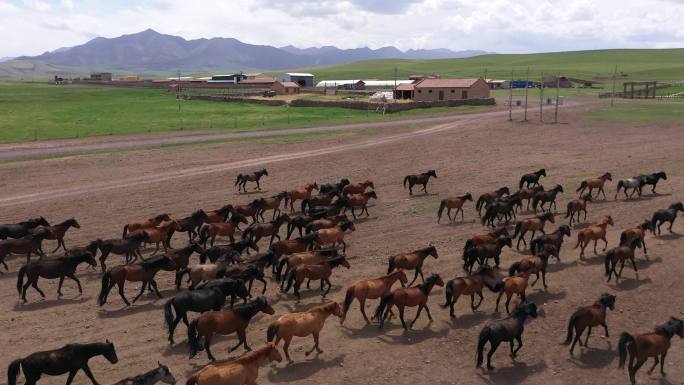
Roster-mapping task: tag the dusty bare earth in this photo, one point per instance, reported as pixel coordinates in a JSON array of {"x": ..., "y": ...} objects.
[{"x": 477, "y": 154}]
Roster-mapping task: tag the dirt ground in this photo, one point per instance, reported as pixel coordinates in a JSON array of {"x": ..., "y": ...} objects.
[{"x": 475, "y": 155}]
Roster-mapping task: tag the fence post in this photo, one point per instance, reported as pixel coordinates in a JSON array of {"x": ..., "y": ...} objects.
[
  {"x": 263, "y": 119},
  {"x": 210, "y": 123},
  {"x": 181, "y": 124},
  {"x": 235, "y": 122}
]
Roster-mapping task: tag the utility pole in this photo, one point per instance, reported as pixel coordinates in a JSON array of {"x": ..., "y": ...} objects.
[
  {"x": 510, "y": 98},
  {"x": 527, "y": 88},
  {"x": 555, "y": 115},
  {"x": 178, "y": 90},
  {"x": 394, "y": 92},
  {"x": 612, "y": 94},
  {"x": 541, "y": 99},
  {"x": 485, "y": 78}
]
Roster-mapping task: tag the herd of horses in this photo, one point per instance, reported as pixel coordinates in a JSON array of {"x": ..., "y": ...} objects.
[{"x": 229, "y": 270}]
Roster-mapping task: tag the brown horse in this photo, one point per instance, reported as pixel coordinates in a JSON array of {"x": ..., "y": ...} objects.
[
  {"x": 411, "y": 297},
  {"x": 370, "y": 289},
  {"x": 535, "y": 264},
  {"x": 412, "y": 261},
  {"x": 528, "y": 194},
  {"x": 593, "y": 232},
  {"x": 218, "y": 215},
  {"x": 240, "y": 371},
  {"x": 189, "y": 224},
  {"x": 483, "y": 252},
  {"x": 249, "y": 210},
  {"x": 256, "y": 231},
  {"x": 422, "y": 179},
  {"x": 299, "y": 193},
  {"x": 272, "y": 203},
  {"x": 201, "y": 272},
  {"x": 326, "y": 223},
  {"x": 577, "y": 207},
  {"x": 636, "y": 232},
  {"x": 140, "y": 272},
  {"x": 533, "y": 224},
  {"x": 159, "y": 234},
  {"x": 471, "y": 285},
  {"x": 129, "y": 246},
  {"x": 357, "y": 201},
  {"x": 28, "y": 244},
  {"x": 58, "y": 232},
  {"x": 289, "y": 246},
  {"x": 145, "y": 223},
  {"x": 357, "y": 187},
  {"x": 313, "y": 272},
  {"x": 291, "y": 261},
  {"x": 619, "y": 255},
  {"x": 642, "y": 346},
  {"x": 490, "y": 197},
  {"x": 334, "y": 235},
  {"x": 593, "y": 183},
  {"x": 513, "y": 285},
  {"x": 453, "y": 203},
  {"x": 51, "y": 268},
  {"x": 224, "y": 322},
  {"x": 542, "y": 197},
  {"x": 209, "y": 231},
  {"x": 555, "y": 239},
  {"x": 489, "y": 237},
  {"x": 588, "y": 317},
  {"x": 21, "y": 229},
  {"x": 302, "y": 324}
]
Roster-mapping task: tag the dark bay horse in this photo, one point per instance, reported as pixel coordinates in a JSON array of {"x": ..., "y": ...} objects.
[
  {"x": 453, "y": 203},
  {"x": 532, "y": 179},
  {"x": 28, "y": 245},
  {"x": 408, "y": 297},
  {"x": 199, "y": 301},
  {"x": 314, "y": 272},
  {"x": 652, "y": 179},
  {"x": 160, "y": 373},
  {"x": 483, "y": 252},
  {"x": 256, "y": 231},
  {"x": 535, "y": 264},
  {"x": 412, "y": 261},
  {"x": 666, "y": 215},
  {"x": 489, "y": 197},
  {"x": 507, "y": 329},
  {"x": 555, "y": 239},
  {"x": 58, "y": 232},
  {"x": 334, "y": 187},
  {"x": 619, "y": 255},
  {"x": 533, "y": 224},
  {"x": 242, "y": 179},
  {"x": 272, "y": 203},
  {"x": 549, "y": 197},
  {"x": 640, "y": 347},
  {"x": 21, "y": 229},
  {"x": 577, "y": 207},
  {"x": 628, "y": 235},
  {"x": 140, "y": 272},
  {"x": 68, "y": 359},
  {"x": 129, "y": 247},
  {"x": 471, "y": 285},
  {"x": 52, "y": 268},
  {"x": 588, "y": 317},
  {"x": 501, "y": 209},
  {"x": 422, "y": 179},
  {"x": 189, "y": 225}
]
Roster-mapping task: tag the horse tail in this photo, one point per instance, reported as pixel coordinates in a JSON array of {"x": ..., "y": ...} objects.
[
  {"x": 203, "y": 234},
  {"x": 567, "y": 213},
  {"x": 305, "y": 202},
  {"x": 384, "y": 302},
  {"x": 20, "y": 278},
  {"x": 654, "y": 221},
  {"x": 406, "y": 180},
  {"x": 442, "y": 205},
  {"x": 106, "y": 282},
  {"x": 449, "y": 293},
  {"x": 626, "y": 340},
  {"x": 291, "y": 278},
  {"x": 571, "y": 326},
  {"x": 518, "y": 229},
  {"x": 279, "y": 270},
  {"x": 522, "y": 182},
  {"x": 168, "y": 313},
  {"x": 179, "y": 276},
  {"x": 193, "y": 379},
  {"x": 348, "y": 298},
  {"x": 514, "y": 267},
  {"x": 193, "y": 338},
  {"x": 479, "y": 203},
  {"x": 481, "y": 341},
  {"x": 609, "y": 257},
  {"x": 272, "y": 331},
  {"x": 535, "y": 245},
  {"x": 125, "y": 231},
  {"x": 583, "y": 185},
  {"x": 13, "y": 371},
  {"x": 391, "y": 266}
]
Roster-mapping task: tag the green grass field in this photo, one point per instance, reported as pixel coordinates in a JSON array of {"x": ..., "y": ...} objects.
[
  {"x": 41, "y": 111},
  {"x": 651, "y": 112}
]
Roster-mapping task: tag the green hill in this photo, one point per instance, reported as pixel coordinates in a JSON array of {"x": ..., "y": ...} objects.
[{"x": 633, "y": 64}]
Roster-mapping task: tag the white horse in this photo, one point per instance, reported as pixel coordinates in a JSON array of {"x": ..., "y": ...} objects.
[{"x": 633, "y": 183}]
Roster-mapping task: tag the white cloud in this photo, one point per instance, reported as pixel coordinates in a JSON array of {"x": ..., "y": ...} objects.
[{"x": 506, "y": 26}]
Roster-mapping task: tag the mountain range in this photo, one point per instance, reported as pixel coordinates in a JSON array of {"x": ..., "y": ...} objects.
[{"x": 152, "y": 51}]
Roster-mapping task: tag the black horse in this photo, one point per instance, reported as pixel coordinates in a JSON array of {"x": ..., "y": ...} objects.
[
  {"x": 507, "y": 329},
  {"x": 555, "y": 238},
  {"x": 242, "y": 179},
  {"x": 69, "y": 359},
  {"x": 298, "y": 222},
  {"x": 21, "y": 229},
  {"x": 502, "y": 209},
  {"x": 229, "y": 253},
  {"x": 233, "y": 287},
  {"x": 423, "y": 179},
  {"x": 51, "y": 268},
  {"x": 667, "y": 215},
  {"x": 651, "y": 179},
  {"x": 189, "y": 224},
  {"x": 129, "y": 246},
  {"x": 328, "y": 188},
  {"x": 481, "y": 253},
  {"x": 320, "y": 212},
  {"x": 532, "y": 179},
  {"x": 199, "y": 301},
  {"x": 247, "y": 273}
]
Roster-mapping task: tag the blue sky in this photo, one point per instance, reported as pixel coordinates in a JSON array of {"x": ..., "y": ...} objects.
[{"x": 506, "y": 26}]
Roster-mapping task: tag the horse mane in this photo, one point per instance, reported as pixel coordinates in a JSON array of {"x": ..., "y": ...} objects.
[
  {"x": 249, "y": 309},
  {"x": 335, "y": 261},
  {"x": 604, "y": 298},
  {"x": 154, "y": 263},
  {"x": 670, "y": 328},
  {"x": 324, "y": 307},
  {"x": 426, "y": 250},
  {"x": 429, "y": 282},
  {"x": 254, "y": 354},
  {"x": 197, "y": 214}
]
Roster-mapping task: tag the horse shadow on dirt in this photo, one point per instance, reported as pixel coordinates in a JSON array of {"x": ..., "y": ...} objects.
[
  {"x": 125, "y": 311},
  {"x": 592, "y": 358},
  {"x": 596, "y": 259},
  {"x": 554, "y": 267},
  {"x": 469, "y": 320},
  {"x": 366, "y": 331},
  {"x": 669, "y": 237},
  {"x": 630, "y": 283},
  {"x": 48, "y": 303},
  {"x": 179, "y": 348},
  {"x": 458, "y": 223},
  {"x": 643, "y": 264},
  {"x": 516, "y": 373},
  {"x": 419, "y": 196},
  {"x": 413, "y": 335},
  {"x": 299, "y": 371},
  {"x": 539, "y": 297},
  {"x": 360, "y": 219},
  {"x": 252, "y": 192},
  {"x": 306, "y": 294}
]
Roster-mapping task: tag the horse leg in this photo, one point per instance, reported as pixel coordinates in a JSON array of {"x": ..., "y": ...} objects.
[
  {"x": 603, "y": 191},
  {"x": 401, "y": 316},
  {"x": 315, "y": 338},
  {"x": 329, "y": 286},
  {"x": 242, "y": 339},
  {"x": 636, "y": 271},
  {"x": 494, "y": 345},
  {"x": 662, "y": 364},
  {"x": 671, "y": 223},
  {"x": 35, "y": 286},
  {"x": 207, "y": 344},
  {"x": 578, "y": 335},
  {"x": 59, "y": 287},
  {"x": 643, "y": 243},
  {"x": 655, "y": 363},
  {"x": 362, "y": 304},
  {"x": 415, "y": 276},
  {"x": 420, "y": 309},
  {"x": 508, "y": 301},
  {"x": 633, "y": 370},
  {"x": 595, "y": 242},
  {"x": 88, "y": 373},
  {"x": 70, "y": 378},
  {"x": 520, "y": 344},
  {"x": 286, "y": 347},
  {"x": 605, "y": 241},
  {"x": 154, "y": 286},
  {"x": 142, "y": 290},
  {"x": 586, "y": 340},
  {"x": 258, "y": 187},
  {"x": 498, "y": 299},
  {"x": 535, "y": 281},
  {"x": 479, "y": 303}
]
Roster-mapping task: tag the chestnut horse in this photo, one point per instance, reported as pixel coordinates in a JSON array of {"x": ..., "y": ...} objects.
[
  {"x": 619, "y": 255},
  {"x": 58, "y": 232},
  {"x": 159, "y": 234},
  {"x": 411, "y": 296},
  {"x": 507, "y": 329},
  {"x": 334, "y": 235},
  {"x": 589, "y": 317},
  {"x": 533, "y": 224},
  {"x": 593, "y": 232},
  {"x": 642, "y": 346},
  {"x": 189, "y": 224},
  {"x": 327, "y": 223},
  {"x": 471, "y": 285},
  {"x": 636, "y": 232},
  {"x": 453, "y": 203},
  {"x": 489, "y": 197},
  {"x": 291, "y": 261},
  {"x": 513, "y": 285},
  {"x": 532, "y": 179},
  {"x": 422, "y": 179},
  {"x": 577, "y": 207},
  {"x": 412, "y": 261},
  {"x": 140, "y": 272},
  {"x": 319, "y": 271},
  {"x": 289, "y": 246},
  {"x": 299, "y": 193},
  {"x": 209, "y": 231},
  {"x": 272, "y": 203},
  {"x": 240, "y": 371},
  {"x": 219, "y": 215},
  {"x": 593, "y": 183},
  {"x": 145, "y": 223},
  {"x": 242, "y": 179},
  {"x": 534, "y": 264},
  {"x": 357, "y": 201},
  {"x": 302, "y": 324},
  {"x": 224, "y": 322},
  {"x": 249, "y": 210},
  {"x": 370, "y": 289},
  {"x": 357, "y": 187}
]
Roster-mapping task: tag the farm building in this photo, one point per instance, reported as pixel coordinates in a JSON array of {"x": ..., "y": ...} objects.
[
  {"x": 498, "y": 84},
  {"x": 285, "y": 88},
  {"x": 423, "y": 76},
  {"x": 230, "y": 78},
  {"x": 258, "y": 82},
  {"x": 428, "y": 90},
  {"x": 303, "y": 79},
  {"x": 358, "y": 84},
  {"x": 553, "y": 81},
  {"x": 101, "y": 76}
]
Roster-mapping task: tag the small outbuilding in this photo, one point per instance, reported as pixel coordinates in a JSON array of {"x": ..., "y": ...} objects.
[
  {"x": 101, "y": 76},
  {"x": 258, "y": 82},
  {"x": 429, "y": 90},
  {"x": 285, "y": 88},
  {"x": 301, "y": 78}
]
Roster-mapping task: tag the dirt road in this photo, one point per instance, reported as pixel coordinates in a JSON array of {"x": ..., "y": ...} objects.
[{"x": 477, "y": 154}]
